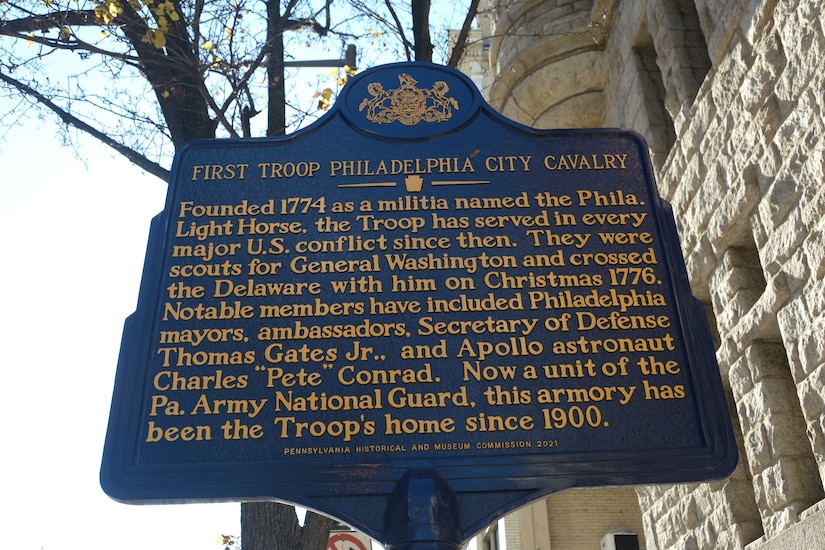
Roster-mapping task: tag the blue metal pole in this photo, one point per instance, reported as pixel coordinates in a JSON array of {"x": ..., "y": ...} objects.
[{"x": 422, "y": 514}]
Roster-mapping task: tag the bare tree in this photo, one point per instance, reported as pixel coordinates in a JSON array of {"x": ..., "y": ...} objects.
[{"x": 146, "y": 76}]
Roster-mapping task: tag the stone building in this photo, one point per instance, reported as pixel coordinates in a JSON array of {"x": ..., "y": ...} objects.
[{"x": 729, "y": 95}]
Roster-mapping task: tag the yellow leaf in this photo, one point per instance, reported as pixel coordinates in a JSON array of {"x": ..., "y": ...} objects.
[
  {"x": 168, "y": 8},
  {"x": 207, "y": 45},
  {"x": 115, "y": 9},
  {"x": 325, "y": 99},
  {"x": 107, "y": 11},
  {"x": 65, "y": 33},
  {"x": 157, "y": 38}
]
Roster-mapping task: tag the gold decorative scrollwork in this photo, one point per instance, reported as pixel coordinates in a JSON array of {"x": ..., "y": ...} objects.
[{"x": 408, "y": 104}]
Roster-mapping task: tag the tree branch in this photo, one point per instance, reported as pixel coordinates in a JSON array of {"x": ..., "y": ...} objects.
[
  {"x": 133, "y": 156},
  {"x": 47, "y": 22},
  {"x": 461, "y": 42},
  {"x": 400, "y": 28}
]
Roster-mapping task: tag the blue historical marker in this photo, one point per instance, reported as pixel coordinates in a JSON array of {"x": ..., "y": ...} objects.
[{"x": 414, "y": 316}]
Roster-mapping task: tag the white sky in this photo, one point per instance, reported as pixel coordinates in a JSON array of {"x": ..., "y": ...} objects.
[{"x": 72, "y": 244}]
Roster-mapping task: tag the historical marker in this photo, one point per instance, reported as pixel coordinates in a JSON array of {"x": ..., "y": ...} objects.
[{"x": 413, "y": 298}]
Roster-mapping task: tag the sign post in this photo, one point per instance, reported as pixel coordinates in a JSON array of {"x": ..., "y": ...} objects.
[{"x": 414, "y": 316}]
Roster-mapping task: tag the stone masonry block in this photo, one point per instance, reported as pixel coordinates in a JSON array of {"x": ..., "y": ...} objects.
[
  {"x": 688, "y": 512},
  {"x": 740, "y": 501},
  {"x": 779, "y": 203},
  {"x": 758, "y": 448},
  {"x": 802, "y": 482},
  {"x": 771, "y": 160},
  {"x": 816, "y": 433},
  {"x": 702, "y": 114},
  {"x": 756, "y": 17},
  {"x": 760, "y": 322},
  {"x": 814, "y": 250},
  {"x": 729, "y": 223},
  {"x": 708, "y": 535},
  {"x": 774, "y": 479},
  {"x": 729, "y": 78},
  {"x": 776, "y": 521},
  {"x": 792, "y": 319},
  {"x": 767, "y": 360},
  {"x": 766, "y": 122},
  {"x": 764, "y": 73},
  {"x": 814, "y": 296},
  {"x": 786, "y": 434},
  {"x": 797, "y": 35},
  {"x": 728, "y": 352},
  {"x": 812, "y": 393},
  {"x": 739, "y": 269},
  {"x": 812, "y": 351},
  {"x": 770, "y": 395},
  {"x": 796, "y": 271},
  {"x": 740, "y": 378},
  {"x": 812, "y": 204},
  {"x": 668, "y": 529},
  {"x": 720, "y": 28}
]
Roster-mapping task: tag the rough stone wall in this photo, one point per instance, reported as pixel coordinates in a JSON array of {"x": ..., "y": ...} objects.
[
  {"x": 730, "y": 97},
  {"x": 745, "y": 181}
]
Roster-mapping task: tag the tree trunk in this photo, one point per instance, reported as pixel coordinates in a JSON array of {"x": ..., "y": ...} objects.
[
  {"x": 315, "y": 533},
  {"x": 274, "y": 526},
  {"x": 184, "y": 108},
  {"x": 276, "y": 108},
  {"x": 421, "y": 30}
]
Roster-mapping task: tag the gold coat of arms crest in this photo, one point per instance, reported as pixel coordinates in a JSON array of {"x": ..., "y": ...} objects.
[{"x": 408, "y": 104}]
